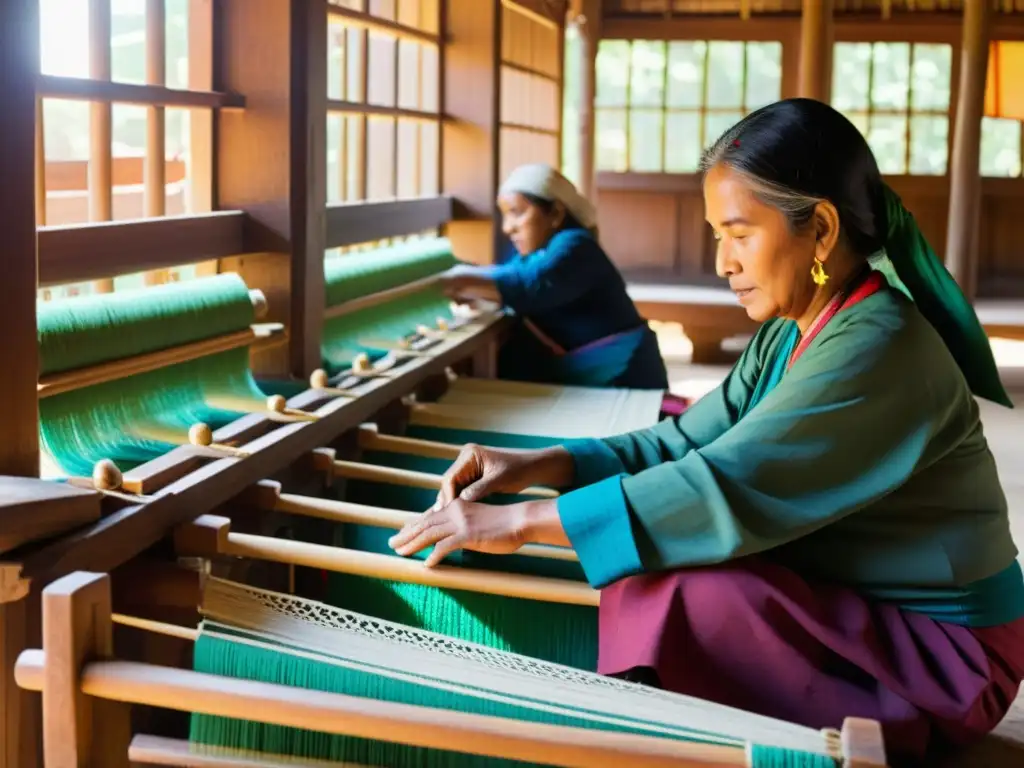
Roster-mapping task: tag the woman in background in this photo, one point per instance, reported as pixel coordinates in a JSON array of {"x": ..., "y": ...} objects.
[
  {"x": 825, "y": 535},
  {"x": 576, "y": 323}
]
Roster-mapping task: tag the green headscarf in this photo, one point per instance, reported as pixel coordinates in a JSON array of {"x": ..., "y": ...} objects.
[{"x": 941, "y": 301}]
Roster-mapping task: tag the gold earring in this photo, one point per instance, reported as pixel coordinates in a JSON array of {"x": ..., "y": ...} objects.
[{"x": 818, "y": 273}]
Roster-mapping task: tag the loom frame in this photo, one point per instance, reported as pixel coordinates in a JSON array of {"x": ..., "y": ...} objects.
[
  {"x": 190, "y": 481},
  {"x": 77, "y": 653}
]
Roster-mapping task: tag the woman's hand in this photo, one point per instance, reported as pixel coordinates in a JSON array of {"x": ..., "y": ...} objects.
[
  {"x": 498, "y": 530},
  {"x": 479, "y": 472},
  {"x": 465, "y": 282}
]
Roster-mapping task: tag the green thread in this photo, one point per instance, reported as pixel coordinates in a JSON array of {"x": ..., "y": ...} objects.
[
  {"x": 776, "y": 757},
  {"x": 347, "y": 336},
  {"x": 129, "y": 420},
  {"x": 510, "y": 624},
  {"x": 354, "y": 275},
  {"x": 362, "y": 273},
  {"x": 87, "y": 330}
]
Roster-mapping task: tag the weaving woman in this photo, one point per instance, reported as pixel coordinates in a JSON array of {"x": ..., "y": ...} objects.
[
  {"x": 824, "y": 535},
  {"x": 577, "y": 323}
]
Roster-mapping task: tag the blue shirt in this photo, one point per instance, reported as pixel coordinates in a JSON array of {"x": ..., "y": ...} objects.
[{"x": 569, "y": 289}]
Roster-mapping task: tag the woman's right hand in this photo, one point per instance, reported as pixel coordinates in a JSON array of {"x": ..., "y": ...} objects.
[{"x": 479, "y": 471}]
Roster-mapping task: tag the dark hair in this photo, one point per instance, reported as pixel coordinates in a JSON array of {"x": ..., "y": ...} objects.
[
  {"x": 797, "y": 153},
  {"x": 548, "y": 206}
]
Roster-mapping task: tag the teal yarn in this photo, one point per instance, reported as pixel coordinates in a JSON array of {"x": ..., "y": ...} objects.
[
  {"x": 354, "y": 275},
  {"x": 110, "y": 420},
  {"x": 346, "y": 336},
  {"x": 559, "y": 633},
  {"x": 776, "y": 757},
  {"x": 87, "y": 330},
  {"x": 128, "y": 420},
  {"x": 282, "y": 663}
]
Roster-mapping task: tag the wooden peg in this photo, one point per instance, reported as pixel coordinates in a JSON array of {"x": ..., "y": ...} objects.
[
  {"x": 260, "y": 308},
  {"x": 200, "y": 435},
  {"x": 277, "y": 404},
  {"x": 107, "y": 479},
  {"x": 321, "y": 382}
]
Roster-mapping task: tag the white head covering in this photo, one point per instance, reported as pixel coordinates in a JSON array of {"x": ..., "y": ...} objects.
[{"x": 543, "y": 181}]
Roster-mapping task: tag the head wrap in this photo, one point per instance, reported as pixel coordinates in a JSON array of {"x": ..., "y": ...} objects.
[
  {"x": 543, "y": 181},
  {"x": 941, "y": 301}
]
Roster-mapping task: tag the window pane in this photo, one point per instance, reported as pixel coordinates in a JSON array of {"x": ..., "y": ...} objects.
[
  {"x": 612, "y": 73},
  {"x": 335, "y": 147},
  {"x": 764, "y": 74},
  {"x": 725, "y": 74},
  {"x": 929, "y": 142},
  {"x": 128, "y": 41},
  {"x": 610, "y": 127},
  {"x": 932, "y": 71},
  {"x": 851, "y": 66},
  {"x": 128, "y": 122},
  {"x": 890, "y": 84},
  {"x": 1000, "y": 147},
  {"x": 64, "y": 37},
  {"x": 717, "y": 123},
  {"x": 647, "y": 74},
  {"x": 682, "y": 144},
  {"x": 645, "y": 139},
  {"x": 686, "y": 74},
  {"x": 887, "y": 136},
  {"x": 177, "y": 43}
]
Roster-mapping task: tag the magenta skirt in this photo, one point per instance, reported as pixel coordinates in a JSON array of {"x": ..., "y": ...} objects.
[{"x": 755, "y": 636}]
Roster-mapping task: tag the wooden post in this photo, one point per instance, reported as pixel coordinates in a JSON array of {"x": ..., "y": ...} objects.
[
  {"x": 19, "y": 450},
  {"x": 964, "y": 170},
  {"x": 469, "y": 136},
  {"x": 308, "y": 182},
  {"x": 589, "y": 26},
  {"x": 816, "y": 50},
  {"x": 271, "y": 163},
  {"x": 77, "y": 628}
]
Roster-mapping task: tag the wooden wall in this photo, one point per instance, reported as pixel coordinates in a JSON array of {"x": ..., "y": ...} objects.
[{"x": 653, "y": 223}]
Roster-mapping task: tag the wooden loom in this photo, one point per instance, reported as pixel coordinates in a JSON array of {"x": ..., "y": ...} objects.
[
  {"x": 87, "y": 694},
  {"x": 143, "y": 505}
]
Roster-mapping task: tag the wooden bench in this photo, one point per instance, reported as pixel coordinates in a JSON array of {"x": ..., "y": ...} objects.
[{"x": 709, "y": 316}]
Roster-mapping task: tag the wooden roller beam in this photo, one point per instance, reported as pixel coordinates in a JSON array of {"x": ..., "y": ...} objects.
[
  {"x": 324, "y": 461},
  {"x": 268, "y": 496},
  {"x": 67, "y": 381},
  {"x": 210, "y": 535}
]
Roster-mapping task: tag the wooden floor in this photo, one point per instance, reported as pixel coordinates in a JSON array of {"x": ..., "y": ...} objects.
[{"x": 1004, "y": 429}]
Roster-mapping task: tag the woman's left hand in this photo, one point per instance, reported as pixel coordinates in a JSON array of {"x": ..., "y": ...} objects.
[{"x": 498, "y": 530}]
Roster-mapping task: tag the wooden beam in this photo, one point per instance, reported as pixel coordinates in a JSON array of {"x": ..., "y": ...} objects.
[
  {"x": 123, "y": 534},
  {"x": 816, "y": 35},
  {"x": 308, "y": 184},
  {"x": 20, "y": 722},
  {"x": 588, "y": 24},
  {"x": 964, "y": 171},
  {"x": 355, "y": 223},
  {"x": 82, "y": 89},
  {"x": 125, "y": 247},
  {"x": 271, "y": 162},
  {"x": 470, "y": 133}
]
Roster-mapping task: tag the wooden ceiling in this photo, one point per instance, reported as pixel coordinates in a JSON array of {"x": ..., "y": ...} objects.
[{"x": 723, "y": 7}]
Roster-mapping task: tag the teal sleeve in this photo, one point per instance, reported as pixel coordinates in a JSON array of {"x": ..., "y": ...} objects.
[
  {"x": 835, "y": 435},
  {"x": 593, "y": 461},
  {"x": 840, "y": 431},
  {"x": 596, "y": 520},
  {"x": 698, "y": 425}
]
